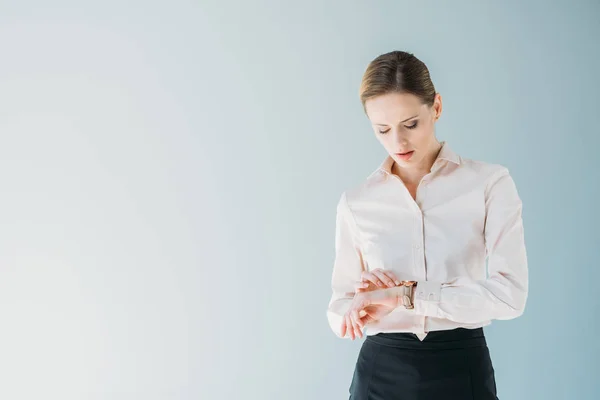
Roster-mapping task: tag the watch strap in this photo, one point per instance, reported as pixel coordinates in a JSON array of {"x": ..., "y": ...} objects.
[{"x": 408, "y": 294}]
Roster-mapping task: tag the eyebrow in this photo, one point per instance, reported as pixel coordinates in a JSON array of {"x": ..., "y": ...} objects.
[{"x": 400, "y": 121}]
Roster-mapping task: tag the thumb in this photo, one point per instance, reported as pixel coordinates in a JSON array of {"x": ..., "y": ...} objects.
[{"x": 367, "y": 318}]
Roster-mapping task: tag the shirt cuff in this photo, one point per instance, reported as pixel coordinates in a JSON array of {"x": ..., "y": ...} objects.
[{"x": 427, "y": 298}]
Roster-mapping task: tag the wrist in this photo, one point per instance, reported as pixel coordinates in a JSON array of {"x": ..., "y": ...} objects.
[{"x": 399, "y": 293}]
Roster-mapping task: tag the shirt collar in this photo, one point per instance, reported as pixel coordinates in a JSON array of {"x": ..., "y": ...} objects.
[{"x": 445, "y": 153}]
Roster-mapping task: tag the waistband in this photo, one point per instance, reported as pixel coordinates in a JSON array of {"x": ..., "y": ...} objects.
[{"x": 459, "y": 338}]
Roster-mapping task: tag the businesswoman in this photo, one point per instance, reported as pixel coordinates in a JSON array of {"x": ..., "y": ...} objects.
[{"x": 411, "y": 245}]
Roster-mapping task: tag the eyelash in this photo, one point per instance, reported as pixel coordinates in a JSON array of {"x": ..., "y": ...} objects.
[{"x": 407, "y": 127}]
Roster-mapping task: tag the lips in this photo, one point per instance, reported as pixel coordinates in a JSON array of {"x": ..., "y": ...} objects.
[{"x": 405, "y": 156}]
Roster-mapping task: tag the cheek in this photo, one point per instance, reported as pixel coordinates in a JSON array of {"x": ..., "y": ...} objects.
[{"x": 424, "y": 133}]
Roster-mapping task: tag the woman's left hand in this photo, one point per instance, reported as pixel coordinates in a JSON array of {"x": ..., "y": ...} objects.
[{"x": 367, "y": 307}]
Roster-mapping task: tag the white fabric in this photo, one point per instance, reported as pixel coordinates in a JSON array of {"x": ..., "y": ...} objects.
[{"x": 466, "y": 212}]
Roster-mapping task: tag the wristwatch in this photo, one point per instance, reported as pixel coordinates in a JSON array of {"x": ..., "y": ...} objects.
[{"x": 407, "y": 293}]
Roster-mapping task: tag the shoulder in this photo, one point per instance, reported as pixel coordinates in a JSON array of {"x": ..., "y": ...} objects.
[
  {"x": 483, "y": 168},
  {"x": 367, "y": 189},
  {"x": 486, "y": 172},
  {"x": 496, "y": 179}
]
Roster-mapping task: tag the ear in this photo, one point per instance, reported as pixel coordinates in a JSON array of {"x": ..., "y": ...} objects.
[{"x": 437, "y": 106}]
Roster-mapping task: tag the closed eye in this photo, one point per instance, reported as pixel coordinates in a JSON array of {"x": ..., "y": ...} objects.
[{"x": 413, "y": 126}]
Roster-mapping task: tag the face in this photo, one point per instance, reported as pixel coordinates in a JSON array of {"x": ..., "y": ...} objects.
[{"x": 405, "y": 127}]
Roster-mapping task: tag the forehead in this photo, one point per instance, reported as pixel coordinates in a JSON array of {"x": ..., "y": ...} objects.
[{"x": 393, "y": 107}]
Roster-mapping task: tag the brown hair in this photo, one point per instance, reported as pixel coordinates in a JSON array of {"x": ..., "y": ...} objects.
[{"x": 397, "y": 71}]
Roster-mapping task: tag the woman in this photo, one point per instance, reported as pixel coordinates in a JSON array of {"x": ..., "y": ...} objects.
[{"x": 412, "y": 242}]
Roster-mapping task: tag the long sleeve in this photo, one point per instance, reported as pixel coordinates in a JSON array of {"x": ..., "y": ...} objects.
[
  {"x": 503, "y": 294},
  {"x": 347, "y": 267}
]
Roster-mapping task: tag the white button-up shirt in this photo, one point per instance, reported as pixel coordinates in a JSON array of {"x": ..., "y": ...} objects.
[{"x": 466, "y": 214}]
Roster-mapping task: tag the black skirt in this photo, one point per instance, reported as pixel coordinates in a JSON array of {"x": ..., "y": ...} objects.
[{"x": 452, "y": 364}]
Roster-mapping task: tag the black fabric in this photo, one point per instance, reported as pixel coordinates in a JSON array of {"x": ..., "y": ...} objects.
[{"x": 452, "y": 364}]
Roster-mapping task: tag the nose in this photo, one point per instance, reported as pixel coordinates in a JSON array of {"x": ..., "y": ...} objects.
[{"x": 400, "y": 139}]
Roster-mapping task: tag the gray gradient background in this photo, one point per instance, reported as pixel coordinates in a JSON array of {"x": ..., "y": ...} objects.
[{"x": 169, "y": 174}]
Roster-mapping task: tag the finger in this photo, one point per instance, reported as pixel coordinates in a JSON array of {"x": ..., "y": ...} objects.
[
  {"x": 358, "y": 331},
  {"x": 364, "y": 317},
  {"x": 372, "y": 314},
  {"x": 357, "y": 328},
  {"x": 356, "y": 312},
  {"x": 367, "y": 319},
  {"x": 350, "y": 327},
  {"x": 384, "y": 278},
  {"x": 368, "y": 286},
  {"x": 392, "y": 276},
  {"x": 343, "y": 327},
  {"x": 371, "y": 277},
  {"x": 360, "y": 286},
  {"x": 356, "y": 318}
]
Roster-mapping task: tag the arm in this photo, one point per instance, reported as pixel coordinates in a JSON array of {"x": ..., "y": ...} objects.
[
  {"x": 504, "y": 293},
  {"x": 347, "y": 267}
]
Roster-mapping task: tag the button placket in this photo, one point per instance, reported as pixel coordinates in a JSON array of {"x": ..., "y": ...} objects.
[{"x": 418, "y": 246}]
